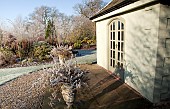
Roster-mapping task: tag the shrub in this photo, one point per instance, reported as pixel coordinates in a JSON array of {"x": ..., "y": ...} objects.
[
  {"x": 6, "y": 56},
  {"x": 78, "y": 44},
  {"x": 41, "y": 50},
  {"x": 2, "y": 59},
  {"x": 22, "y": 48},
  {"x": 86, "y": 42}
]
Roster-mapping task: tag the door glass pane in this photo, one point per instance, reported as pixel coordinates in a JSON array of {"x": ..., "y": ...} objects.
[
  {"x": 119, "y": 35},
  {"x": 113, "y": 63},
  {"x": 118, "y": 25},
  {"x": 118, "y": 64},
  {"x": 121, "y": 46},
  {"x": 118, "y": 56},
  {"x": 122, "y": 25},
  {"x": 122, "y": 38},
  {"x": 114, "y": 54},
  {"x": 113, "y": 44},
  {"x": 122, "y": 57},
  {"x": 121, "y": 65},
  {"x": 113, "y": 25},
  {"x": 113, "y": 35}
]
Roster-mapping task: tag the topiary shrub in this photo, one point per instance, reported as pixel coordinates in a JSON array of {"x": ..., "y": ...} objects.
[{"x": 41, "y": 50}]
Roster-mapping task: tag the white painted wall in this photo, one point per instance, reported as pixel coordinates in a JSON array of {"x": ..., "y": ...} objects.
[
  {"x": 102, "y": 43},
  {"x": 141, "y": 43}
]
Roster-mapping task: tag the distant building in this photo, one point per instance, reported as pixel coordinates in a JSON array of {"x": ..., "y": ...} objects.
[{"x": 133, "y": 41}]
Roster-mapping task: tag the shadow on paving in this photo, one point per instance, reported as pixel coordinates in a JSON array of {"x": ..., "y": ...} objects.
[{"x": 109, "y": 93}]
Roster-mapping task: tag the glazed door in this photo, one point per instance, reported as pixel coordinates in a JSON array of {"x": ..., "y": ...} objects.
[{"x": 116, "y": 44}]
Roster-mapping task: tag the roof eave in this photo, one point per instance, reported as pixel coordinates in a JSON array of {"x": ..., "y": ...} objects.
[{"x": 124, "y": 3}]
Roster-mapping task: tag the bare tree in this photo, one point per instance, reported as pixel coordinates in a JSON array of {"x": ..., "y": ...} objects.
[
  {"x": 1, "y": 37},
  {"x": 40, "y": 17},
  {"x": 83, "y": 27},
  {"x": 89, "y": 7},
  {"x": 65, "y": 25},
  {"x": 19, "y": 27}
]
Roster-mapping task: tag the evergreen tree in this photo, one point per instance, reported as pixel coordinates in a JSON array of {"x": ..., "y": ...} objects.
[{"x": 50, "y": 30}]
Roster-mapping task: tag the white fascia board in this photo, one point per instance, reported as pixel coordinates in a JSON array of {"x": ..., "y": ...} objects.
[{"x": 124, "y": 9}]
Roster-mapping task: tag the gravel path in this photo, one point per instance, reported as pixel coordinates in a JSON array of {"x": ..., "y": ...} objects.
[{"x": 25, "y": 92}]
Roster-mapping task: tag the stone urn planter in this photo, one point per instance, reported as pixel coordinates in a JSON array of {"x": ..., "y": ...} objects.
[{"x": 68, "y": 94}]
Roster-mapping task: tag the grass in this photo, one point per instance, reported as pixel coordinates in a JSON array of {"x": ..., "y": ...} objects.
[
  {"x": 87, "y": 59},
  {"x": 7, "y": 74},
  {"x": 11, "y": 73}
]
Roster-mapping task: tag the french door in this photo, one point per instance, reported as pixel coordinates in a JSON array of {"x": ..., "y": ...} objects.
[{"x": 116, "y": 44}]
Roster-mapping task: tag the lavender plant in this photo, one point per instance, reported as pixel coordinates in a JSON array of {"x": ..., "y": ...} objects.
[{"x": 69, "y": 77}]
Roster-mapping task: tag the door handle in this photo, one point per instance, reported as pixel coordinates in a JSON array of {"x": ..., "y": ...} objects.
[{"x": 116, "y": 45}]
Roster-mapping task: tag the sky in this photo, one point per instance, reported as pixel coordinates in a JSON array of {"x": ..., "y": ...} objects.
[{"x": 11, "y": 9}]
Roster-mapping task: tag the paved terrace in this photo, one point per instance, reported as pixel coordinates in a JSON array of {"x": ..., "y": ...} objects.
[{"x": 108, "y": 92}]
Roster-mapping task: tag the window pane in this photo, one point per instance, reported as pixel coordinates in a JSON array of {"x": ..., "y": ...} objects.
[
  {"x": 122, "y": 26},
  {"x": 113, "y": 25},
  {"x": 121, "y": 46},
  {"x": 122, "y": 38},
  {"x": 119, "y": 35},
  {"x": 118, "y": 45},
  {"x": 111, "y": 53},
  {"x": 118, "y": 25},
  {"x": 110, "y": 27},
  {"x": 113, "y": 35},
  {"x": 111, "y": 62},
  {"x": 113, "y": 44}
]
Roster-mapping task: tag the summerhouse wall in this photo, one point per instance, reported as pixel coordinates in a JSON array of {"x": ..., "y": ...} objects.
[
  {"x": 162, "y": 77},
  {"x": 141, "y": 42}
]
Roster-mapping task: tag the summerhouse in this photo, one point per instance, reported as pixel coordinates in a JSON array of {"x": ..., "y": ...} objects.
[{"x": 133, "y": 41}]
